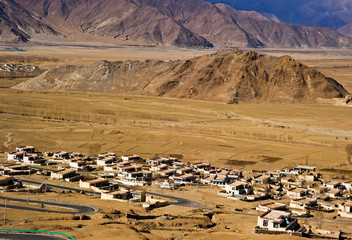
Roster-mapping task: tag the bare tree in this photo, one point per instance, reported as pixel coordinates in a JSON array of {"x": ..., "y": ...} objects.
[{"x": 348, "y": 150}]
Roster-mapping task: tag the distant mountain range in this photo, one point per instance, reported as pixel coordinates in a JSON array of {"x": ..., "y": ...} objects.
[
  {"x": 336, "y": 14},
  {"x": 228, "y": 76},
  {"x": 181, "y": 23}
]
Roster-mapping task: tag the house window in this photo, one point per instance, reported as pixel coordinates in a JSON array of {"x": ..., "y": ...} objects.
[
  {"x": 276, "y": 225},
  {"x": 265, "y": 223}
]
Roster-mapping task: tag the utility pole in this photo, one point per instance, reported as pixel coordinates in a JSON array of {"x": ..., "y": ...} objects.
[
  {"x": 5, "y": 211},
  {"x": 28, "y": 197}
]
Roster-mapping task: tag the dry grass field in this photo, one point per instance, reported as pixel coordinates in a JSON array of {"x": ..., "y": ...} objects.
[{"x": 238, "y": 136}]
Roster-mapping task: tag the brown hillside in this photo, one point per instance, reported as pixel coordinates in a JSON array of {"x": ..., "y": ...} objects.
[
  {"x": 19, "y": 25},
  {"x": 182, "y": 23},
  {"x": 123, "y": 20},
  {"x": 228, "y": 76}
]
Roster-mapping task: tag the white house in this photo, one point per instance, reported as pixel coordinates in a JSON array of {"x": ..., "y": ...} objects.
[
  {"x": 238, "y": 188},
  {"x": 15, "y": 156},
  {"x": 303, "y": 203},
  {"x": 345, "y": 209},
  {"x": 278, "y": 221},
  {"x": 296, "y": 193}
]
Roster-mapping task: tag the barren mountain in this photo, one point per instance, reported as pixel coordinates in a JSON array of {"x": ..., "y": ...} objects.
[
  {"x": 119, "y": 19},
  {"x": 223, "y": 25},
  {"x": 321, "y": 13},
  {"x": 346, "y": 30},
  {"x": 19, "y": 25},
  {"x": 183, "y": 23},
  {"x": 229, "y": 76}
]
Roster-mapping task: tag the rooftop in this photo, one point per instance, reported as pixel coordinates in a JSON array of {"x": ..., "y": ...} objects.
[{"x": 276, "y": 215}]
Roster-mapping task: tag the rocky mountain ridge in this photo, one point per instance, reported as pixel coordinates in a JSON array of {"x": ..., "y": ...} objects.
[
  {"x": 181, "y": 23},
  {"x": 228, "y": 76}
]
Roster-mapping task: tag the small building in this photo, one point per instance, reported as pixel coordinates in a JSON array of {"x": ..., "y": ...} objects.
[
  {"x": 106, "y": 161},
  {"x": 301, "y": 168},
  {"x": 161, "y": 160},
  {"x": 347, "y": 185},
  {"x": 184, "y": 170},
  {"x": 238, "y": 188},
  {"x": 79, "y": 164},
  {"x": 264, "y": 207},
  {"x": 296, "y": 193},
  {"x": 219, "y": 181},
  {"x": 33, "y": 159},
  {"x": 168, "y": 173},
  {"x": 94, "y": 183},
  {"x": 264, "y": 179},
  {"x": 183, "y": 179},
  {"x": 159, "y": 168},
  {"x": 17, "y": 170},
  {"x": 15, "y": 156},
  {"x": 121, "y": 195},
  {"x": 26, "y": 149},
  {"x": 334, "y": 193},
  {"x": 66, "y": 174},
  {"x": 345, "y": 209},
  {"x": 277, "y": 221},
  {"x": 61, "y": 155},
  {"x": 131, "y": 158},
  {"x": 6, "y": 180},
  {"x": 303, "y": 203},
  {"x": 332, "y": 184}
]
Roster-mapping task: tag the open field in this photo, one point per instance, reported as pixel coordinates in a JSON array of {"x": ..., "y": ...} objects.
[{"x": 240, "y": 136}]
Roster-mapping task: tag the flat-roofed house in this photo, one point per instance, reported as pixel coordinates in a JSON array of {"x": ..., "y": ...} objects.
[
  {"x": 6, "y": 180},
  {"x": 66, "y": 174},
  {"x": 121, "y": 195},
  {"x": 168, "y": 173},
  {"x": 19, "y": 169},
  {"x": 159, "y": 168},
  {"x": 183, "y": 179},
  {"x": 303, "y": 203},
  {"x": 301, "y": 168},
  {"x": 133, "y": 157},
  {"x": 15, "y": 156},
  {"x": 100, "y": 182},
  {"x": 33, "y": 159},
  {"x": 26, "y": 149},
  {"x": 219, "y": 181},
  {"x": 61, "y": 155},
  {"x": 263, "y": 179},
  {"x": 334, "y": 193},
  {"x": 348, "y": 185},
  {"x": 106, "y": 161},
  {"x": 332, "y": 184},
  {"x": 296, "y": 193},
  {"x": 79, "y": 164},
  {"x": 238, "y": 188},
  {"x": 345, "y": 209},
  {"x": 264, "y": 207},
  {"x": 277, "y": 221}
]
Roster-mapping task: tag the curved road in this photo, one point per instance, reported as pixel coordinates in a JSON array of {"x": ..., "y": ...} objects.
[
  {"x": 177, "y": 200},
  {"x": 79, "y": 209},
  {"x": 20, "y": 236}
]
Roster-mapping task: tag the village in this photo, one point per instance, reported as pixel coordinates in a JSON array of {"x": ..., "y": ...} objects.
[
  {"x": 8, "y": 67},
  {"x": 282, "y": 196}
]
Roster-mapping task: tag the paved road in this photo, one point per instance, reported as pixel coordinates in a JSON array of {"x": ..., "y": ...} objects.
[
  {"x": 59, "y": 186},
  {"x": 78, "y": 209},
  {"x": 176, "y": 200},
  {"x": 24, "y": 236}
]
